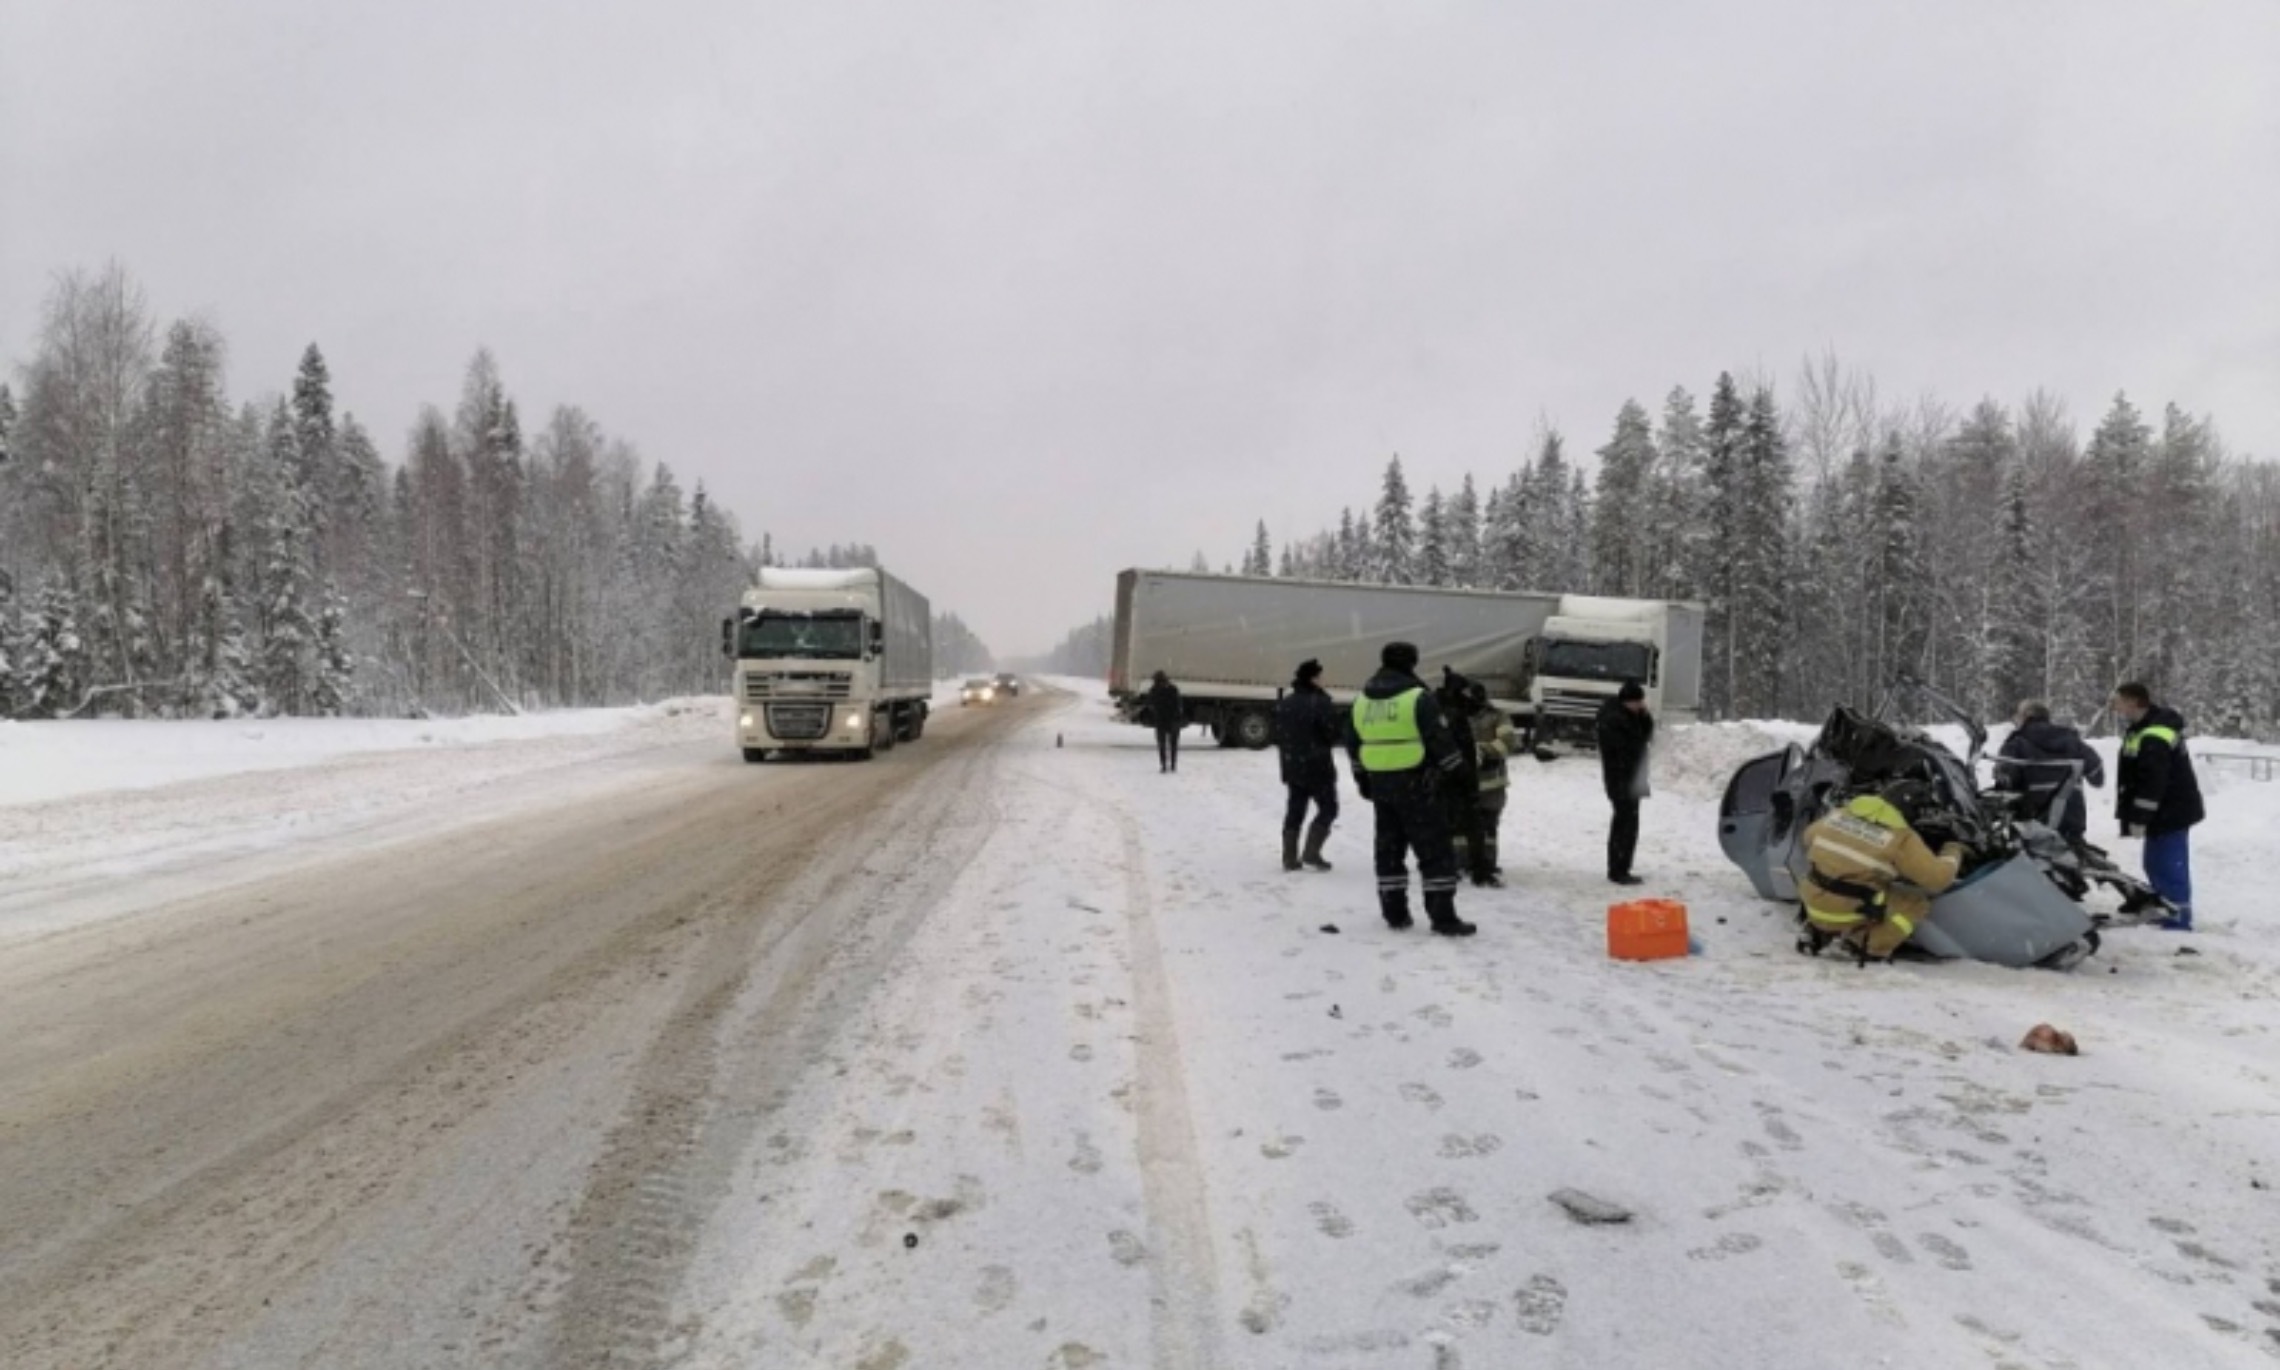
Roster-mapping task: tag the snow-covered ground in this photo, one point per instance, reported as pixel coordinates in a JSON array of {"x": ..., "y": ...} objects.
[
  {"x": 1138, "y": 1104},
  {"x": 1124, "y": 1097}
]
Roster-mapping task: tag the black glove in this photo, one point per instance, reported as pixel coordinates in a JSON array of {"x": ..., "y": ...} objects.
[{"x": 1362, "y": 784}]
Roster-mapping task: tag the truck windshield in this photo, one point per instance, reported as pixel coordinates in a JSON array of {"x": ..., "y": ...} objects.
[
  {"x": 837, "y": 636},
  {"x": 1574, "y": 659}
]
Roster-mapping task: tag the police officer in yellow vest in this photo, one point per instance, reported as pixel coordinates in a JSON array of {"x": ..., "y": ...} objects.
[
  {"x": 1871, "y": 876},
  {"x": 1402, "y": 752}
]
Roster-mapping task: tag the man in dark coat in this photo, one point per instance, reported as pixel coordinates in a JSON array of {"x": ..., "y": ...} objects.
[
  {"x": 1306, "y": 733},
  {"x": 1402, "y": 755},
  {"x": 1168, "y": 712},
  {"x": 2160, "y": 797},
  {"x": 2047, "y": 754},
  {"x": 1460, "y": 796},
  {"x": 1625, "y": 731}
]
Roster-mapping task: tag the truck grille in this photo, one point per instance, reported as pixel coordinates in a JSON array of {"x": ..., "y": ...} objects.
[
  {"x": 758, "y": 688},
  {"x": 799, "y": 722},
  {"x": 1572, "y": 704}
]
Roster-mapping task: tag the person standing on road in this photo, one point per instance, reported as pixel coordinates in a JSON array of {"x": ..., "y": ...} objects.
[
  {"x": 1626, "y": 731},
  {"x": 1168, "y": 712},
  {"x": 1494, "y": 741},
  {"x": 1460, "y": 794},
  {"x": 2046, "y": 752},
  {"x": 2160, "y": 798},
  {"x": 1402, "y": 754},
  {"x": 1306, "y": 733}
]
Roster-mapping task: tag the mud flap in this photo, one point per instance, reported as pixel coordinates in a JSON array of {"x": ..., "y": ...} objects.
[{"x": 2007, "y": 914}]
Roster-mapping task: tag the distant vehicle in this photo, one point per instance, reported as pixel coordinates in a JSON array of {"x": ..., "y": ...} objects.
[
  {"x": 979, "y": 690},
  {"x": 1009, "y": 685},
  {"x": 829, "y": 661},
  {"x": 1549, "y": 661}
]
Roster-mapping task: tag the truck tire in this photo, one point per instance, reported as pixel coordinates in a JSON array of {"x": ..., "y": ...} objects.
[
  {"x": 1251, "y": 729},
  {"x": 883, "y": 731},
  {"x": 753, "y": 756}
]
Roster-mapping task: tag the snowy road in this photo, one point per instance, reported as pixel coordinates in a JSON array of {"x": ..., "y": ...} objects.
[{"x": 999, "y": 1052}]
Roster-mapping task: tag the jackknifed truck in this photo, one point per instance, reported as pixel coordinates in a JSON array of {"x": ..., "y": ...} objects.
[
  {"x": 1548, "y": 660},
  {"x": 829, "y": 661}
]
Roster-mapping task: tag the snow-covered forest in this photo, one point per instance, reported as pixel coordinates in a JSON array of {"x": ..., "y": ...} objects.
[
  {"x": 1839, "y": 540},
  {"x": 165, "y": 551}
]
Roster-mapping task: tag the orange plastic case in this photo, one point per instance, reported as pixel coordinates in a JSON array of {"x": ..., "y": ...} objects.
[{"x": 1646, "y": 930}]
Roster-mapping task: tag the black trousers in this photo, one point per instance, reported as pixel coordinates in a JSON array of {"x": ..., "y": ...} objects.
[
  {"x": 1468, "y": 833},
  {"x": 1622, "y": 835},
  {"x": 1410, "y": 819},
  {"x": 1168, "y": 748},
  {"x": 1320, "y": 795}
]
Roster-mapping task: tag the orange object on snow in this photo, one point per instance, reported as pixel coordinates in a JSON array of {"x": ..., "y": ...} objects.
[{"x": 1646, "y": 930}]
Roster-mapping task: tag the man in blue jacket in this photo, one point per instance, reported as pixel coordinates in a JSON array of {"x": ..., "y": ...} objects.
[{"x": 2160, "y": 798}]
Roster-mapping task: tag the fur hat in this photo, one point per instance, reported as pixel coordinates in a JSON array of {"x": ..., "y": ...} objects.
[
  {"x": 1632, "y": 691},
  {"x": 1309, "y": 669},
  {"x": 1399, "y": 656}
]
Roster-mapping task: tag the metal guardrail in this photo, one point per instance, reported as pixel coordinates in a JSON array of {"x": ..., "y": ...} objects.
[{"x": 2261, "y": 766}]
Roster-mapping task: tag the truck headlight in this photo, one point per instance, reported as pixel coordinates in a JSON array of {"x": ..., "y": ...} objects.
[
  {"x": 854, "y": 721},
  {"x": 744, "y": 722},
  {"x": 989, "y": 694}
]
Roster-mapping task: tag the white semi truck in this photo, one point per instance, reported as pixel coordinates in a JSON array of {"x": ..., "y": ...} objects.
[
  {"x": 1548, "y": 660},
  {"x": 829, "y": 661}
]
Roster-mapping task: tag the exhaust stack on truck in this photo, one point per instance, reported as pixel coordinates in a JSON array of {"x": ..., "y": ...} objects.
[
  {"x": 1230, "y": 643},
  {"x": 829, "y": 661}
]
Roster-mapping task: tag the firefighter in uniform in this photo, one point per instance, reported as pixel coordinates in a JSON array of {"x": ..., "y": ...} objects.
[
  {"x": 1494, "y": 741},
  {"x": 1871, "y": 877},
  {"x": 1402, "y": 754}
]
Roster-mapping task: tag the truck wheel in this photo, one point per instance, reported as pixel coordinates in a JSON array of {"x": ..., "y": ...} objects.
[
  {"x": 753, "y": 756},
  {"x": 1252, "y": 730},
  {"x": 883, "y": 731}
]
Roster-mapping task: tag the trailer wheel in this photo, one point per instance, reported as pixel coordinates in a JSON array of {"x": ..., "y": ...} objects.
[{"x": 1251, "y": 729}]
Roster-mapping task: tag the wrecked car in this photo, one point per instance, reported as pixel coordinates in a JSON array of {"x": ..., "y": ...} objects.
[{"x": 2027, "y": 897}]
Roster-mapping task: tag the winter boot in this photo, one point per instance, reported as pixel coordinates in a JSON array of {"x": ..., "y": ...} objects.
[
  {"x": 1315, "y": 837},
  {"x": 1394, "y": 904},
  {"x": 1441, "y": 908},
  {"x": 1487, "y": 880},
  {"x": 2182, "y": 921},
  {"x": 1290, "y": 849}
]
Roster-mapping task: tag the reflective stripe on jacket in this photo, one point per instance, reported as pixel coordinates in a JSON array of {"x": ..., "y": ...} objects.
[{"x": 1868, "y": 845}]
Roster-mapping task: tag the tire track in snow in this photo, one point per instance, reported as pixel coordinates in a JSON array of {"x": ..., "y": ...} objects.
[{"x": 1184, "y": 1276}]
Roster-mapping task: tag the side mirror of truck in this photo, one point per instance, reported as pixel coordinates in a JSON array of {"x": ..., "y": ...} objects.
[
  {"x": 728, "y": 637},
  {"x": 878, "y": 638}
]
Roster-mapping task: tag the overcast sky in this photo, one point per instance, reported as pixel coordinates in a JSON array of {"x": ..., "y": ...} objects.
[{"x": 1027, "y": 293}]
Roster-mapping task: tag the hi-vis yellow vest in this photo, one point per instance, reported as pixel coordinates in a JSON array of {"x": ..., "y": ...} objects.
[{"x": 1391, "y": 739}]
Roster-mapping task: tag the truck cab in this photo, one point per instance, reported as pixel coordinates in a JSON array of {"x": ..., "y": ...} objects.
[
  {"x": 1582, "y": 655},
  {"x": 824, "y": 661}
]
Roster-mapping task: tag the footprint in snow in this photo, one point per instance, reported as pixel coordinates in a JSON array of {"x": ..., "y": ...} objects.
[
  {"x": 1456, "y": 1147},
  {"x": 1438, "y": 1208},
  {"x": 1280, "y": 1148},
  {"x": 1087, "y": 1160},
  {"x": 1328, "y": 1220},
  {"x": 1328, "y": 1100},
  {"x": 1464, "y": 1058},
  {"x": 1947, "y": 1252},
  {"x": 1421, "y": 1094},
  {"x": 1542, "y": 1303},
  {"x": 1126, "y": 1248},
  {"x": 1731, "y": 1245}
]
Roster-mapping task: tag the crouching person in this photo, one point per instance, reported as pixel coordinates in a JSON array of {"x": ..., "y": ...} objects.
[{"x": 1871, "y": 877}]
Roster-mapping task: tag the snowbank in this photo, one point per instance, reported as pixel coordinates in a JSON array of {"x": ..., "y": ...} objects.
[{"x": 58, "y": 759}]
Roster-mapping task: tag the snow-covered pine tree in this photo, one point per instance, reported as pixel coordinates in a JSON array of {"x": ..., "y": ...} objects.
[
  {"x": 1462, "y": 516},
  {"x": 10, "y": 648},
  {"x": 1349, "y": 548},
  {"x": 1262, "y": 553},
  {"x": 315, "y": 451},
  {"x": 54, "y": 670},
  {"x": 285, "y": 620},
  {"x": 2115, "y": 520},
  {"x": 1395, "y": 560},
  {"x": 1504, "y": 540},
  {"x": 334, "y": 680},
  {"x": 1622, "y": 509},
  {"x": 1715, "y": 571},
  {"x": 1763, "y": 487},
  {"x": 2020, "y": 623},
  {"x": 1433, "y": 541},
  {"x": 1902, "y": 608},
  {"x": 1288, "y": 568},
  {"x": 2178, "y": 526},
  {"x": 1675, "y": 532},
  {"x": 7, "y": 421}
]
